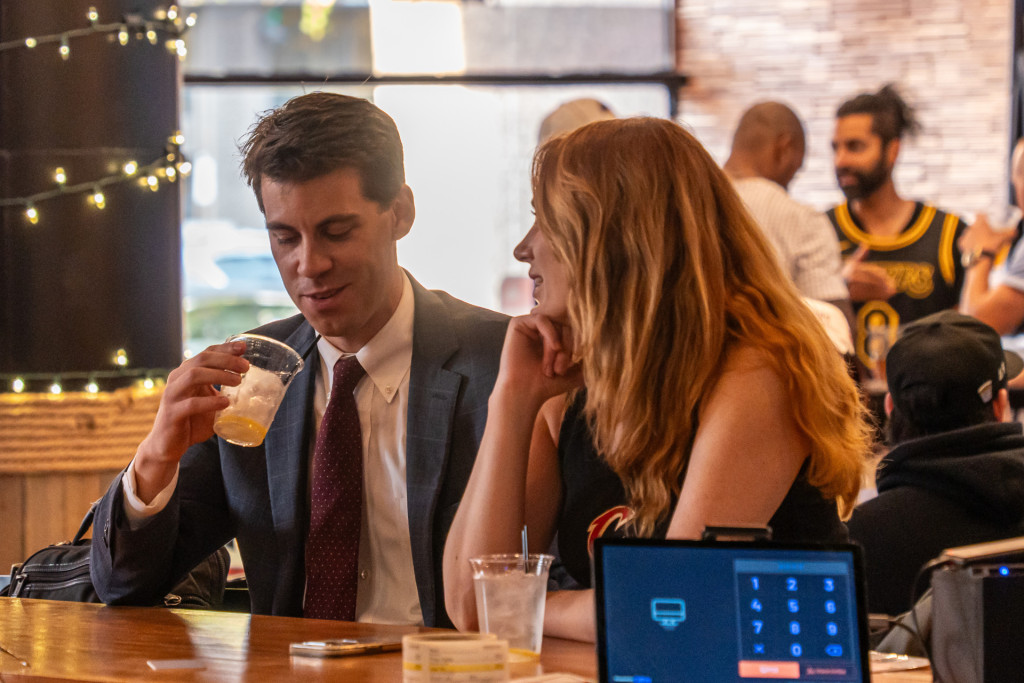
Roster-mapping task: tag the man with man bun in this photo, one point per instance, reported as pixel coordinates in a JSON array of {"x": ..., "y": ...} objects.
[{"x": 902, "y": 259}]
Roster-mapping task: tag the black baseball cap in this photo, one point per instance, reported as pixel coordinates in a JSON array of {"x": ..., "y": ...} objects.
[{"x": 948, "y": 362}]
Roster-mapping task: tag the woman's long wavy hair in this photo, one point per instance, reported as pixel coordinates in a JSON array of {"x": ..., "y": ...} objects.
[{"x": 668, "y": 272}]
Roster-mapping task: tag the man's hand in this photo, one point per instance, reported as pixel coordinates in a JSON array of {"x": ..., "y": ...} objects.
[
  {"x": 981, "y": 236},
  {"x": 866, "y": 281},
  {"x": 186, "y": 413}
]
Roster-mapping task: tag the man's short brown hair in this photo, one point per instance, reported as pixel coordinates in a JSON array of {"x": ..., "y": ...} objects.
[{"x": 315, "y": 134}]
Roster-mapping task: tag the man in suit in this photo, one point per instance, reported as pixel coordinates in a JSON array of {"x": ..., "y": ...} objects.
[{"x": 328, "y": 173}]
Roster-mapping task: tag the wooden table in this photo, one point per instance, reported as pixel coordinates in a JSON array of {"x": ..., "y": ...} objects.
[{"x": 86, "y": 642}]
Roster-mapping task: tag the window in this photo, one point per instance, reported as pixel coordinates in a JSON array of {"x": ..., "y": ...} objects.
[{"x": 469, "y": 133}]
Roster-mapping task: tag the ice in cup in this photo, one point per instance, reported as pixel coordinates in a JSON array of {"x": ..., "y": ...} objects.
[
  {"x": 254, "y": 402},
  {"x": 510, "y": 597}
]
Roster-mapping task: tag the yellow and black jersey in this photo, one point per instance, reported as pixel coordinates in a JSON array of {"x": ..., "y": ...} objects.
[{"x": 924, "y": 262}]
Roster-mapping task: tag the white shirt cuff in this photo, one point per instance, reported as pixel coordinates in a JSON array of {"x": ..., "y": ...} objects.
[{"x": 137, "y": 512}]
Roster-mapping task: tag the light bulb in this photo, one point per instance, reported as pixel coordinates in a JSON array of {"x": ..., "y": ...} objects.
[
  {"x": 55, "y": 388},
  {"x": 98, "y": 199},
  {"x": 130, "y": 168},
  {"x": 153, "y": 183},
  {"x": 178, "y": 138},
  {"x": 60, "y": 176},
  {"x": 172, "y": 12},
  {"x": 31, "y": 43},
  {"x": 151, "y": 36},
  {"x": 93, "y": 15},
  {"x": 18, "y": 385},
  {"x": 32, "y": 214},
  {"x": 180, "y": 48},
  {"x": 122, "y": 35},
  {"x": 92, "y": 387},
  {"x": 148, "y": 383},
  {"x": 65, "y": 49},
  {"x": 185, "y": 167},
  {"x": 190, "y": 20},
  {"x": 121, "y": 357},
  {"x": 171, "y": 173}
]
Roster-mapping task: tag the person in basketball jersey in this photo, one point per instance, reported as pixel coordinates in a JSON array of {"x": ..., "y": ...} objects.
[{"x": 902, "y": 261}]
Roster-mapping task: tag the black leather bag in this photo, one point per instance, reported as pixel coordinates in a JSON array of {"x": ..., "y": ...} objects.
[{"x": 61, "y": 572}]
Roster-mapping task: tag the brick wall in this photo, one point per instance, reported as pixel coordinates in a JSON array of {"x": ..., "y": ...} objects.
[{"x": 950, "y": 58}]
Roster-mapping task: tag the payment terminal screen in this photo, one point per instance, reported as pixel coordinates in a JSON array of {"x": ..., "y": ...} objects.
[{"x": 727, "y": 612}]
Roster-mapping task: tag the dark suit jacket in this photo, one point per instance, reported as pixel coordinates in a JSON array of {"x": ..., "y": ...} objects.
[{"x": 259, "y": 495}]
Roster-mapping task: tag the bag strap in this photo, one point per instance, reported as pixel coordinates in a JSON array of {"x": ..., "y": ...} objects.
[{"x": 86, "y": 523}]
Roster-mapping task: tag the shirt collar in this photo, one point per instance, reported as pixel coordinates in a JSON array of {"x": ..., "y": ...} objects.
[{"x": 388, "y": 356}]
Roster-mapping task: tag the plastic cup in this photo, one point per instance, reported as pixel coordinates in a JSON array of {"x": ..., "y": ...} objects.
[
  {"x": 510, "y": 598},
  {"x": 254, "y": 402}
]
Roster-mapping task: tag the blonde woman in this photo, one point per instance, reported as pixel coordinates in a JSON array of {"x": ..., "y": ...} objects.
[{"x": 713, "y": 396}]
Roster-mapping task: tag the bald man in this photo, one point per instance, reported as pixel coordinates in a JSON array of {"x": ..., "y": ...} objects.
[
  {"x": 994, "y": 294},
  {"x": 767, "y": 151}
]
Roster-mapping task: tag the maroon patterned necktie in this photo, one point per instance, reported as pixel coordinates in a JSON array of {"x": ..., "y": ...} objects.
[{"x": 332, "y": 547}]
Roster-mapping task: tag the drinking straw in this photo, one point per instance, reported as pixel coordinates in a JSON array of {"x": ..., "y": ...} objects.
[{"x": 526, "y": 553}]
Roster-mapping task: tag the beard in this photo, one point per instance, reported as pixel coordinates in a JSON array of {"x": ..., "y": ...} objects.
[{"x": 866, "y": 182}]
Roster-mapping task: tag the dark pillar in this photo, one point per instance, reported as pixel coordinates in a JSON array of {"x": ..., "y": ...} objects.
[{"x": 83, "y": 282}]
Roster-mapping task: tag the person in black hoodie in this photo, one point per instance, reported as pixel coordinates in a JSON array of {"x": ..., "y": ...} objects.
[{"x": 955, "y": 475}]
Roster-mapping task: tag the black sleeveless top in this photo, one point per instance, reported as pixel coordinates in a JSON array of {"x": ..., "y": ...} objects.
[{"x": 594, "y": 502}]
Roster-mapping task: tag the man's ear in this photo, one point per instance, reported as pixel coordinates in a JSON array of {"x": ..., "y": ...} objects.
[
  {"x": 892, "y": 151},
  {"x": 888, "y": 404},
  {"x": 404, "y": 209}
]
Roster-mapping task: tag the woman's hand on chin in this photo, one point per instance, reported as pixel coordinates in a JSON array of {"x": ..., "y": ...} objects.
[{"x": 537, "y": 358}]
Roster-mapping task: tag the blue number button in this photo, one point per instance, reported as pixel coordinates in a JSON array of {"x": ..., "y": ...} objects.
[{"x": 834, "y": 650}]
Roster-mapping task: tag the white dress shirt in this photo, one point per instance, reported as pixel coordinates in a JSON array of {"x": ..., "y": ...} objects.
[
  {"x": 387, "y": 583},
  {"x": 803, "y": 238}
]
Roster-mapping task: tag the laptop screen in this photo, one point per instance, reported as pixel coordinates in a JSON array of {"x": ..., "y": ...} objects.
[{"x": 729, "y": 611}]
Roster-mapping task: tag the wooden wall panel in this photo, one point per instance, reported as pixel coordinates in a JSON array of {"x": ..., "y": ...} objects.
[
  {"x": 12, "y": 536},
  {"x": 41, "y": 509}
]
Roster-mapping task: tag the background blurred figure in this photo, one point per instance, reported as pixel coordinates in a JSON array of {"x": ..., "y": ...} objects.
[
  {"x": 767, "y": 151},
  {"x": 994, "y": 285},
  {"x": 573, "y": 114},
  {"x": 517, "y": 291},
  {"x": 902, "y": 259},
  {"x": 956, "y": 473}
]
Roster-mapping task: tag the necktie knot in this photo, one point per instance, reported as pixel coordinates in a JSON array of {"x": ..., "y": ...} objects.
[{"x": 347, "y": 373}]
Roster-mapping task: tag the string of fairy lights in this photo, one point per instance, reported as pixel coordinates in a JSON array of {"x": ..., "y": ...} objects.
[
  {"x": 89, "y": 382},
  {"x": 171, "y": 165}
]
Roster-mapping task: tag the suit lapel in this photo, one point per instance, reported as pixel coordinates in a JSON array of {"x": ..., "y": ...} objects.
[
  {"x": 433, "y": 391},
  {"x": 287, "y": 443}
]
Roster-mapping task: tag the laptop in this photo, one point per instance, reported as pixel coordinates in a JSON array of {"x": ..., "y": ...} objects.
[{"x": 729, "y": 611}]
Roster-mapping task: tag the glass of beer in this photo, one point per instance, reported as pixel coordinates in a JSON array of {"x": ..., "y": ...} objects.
[{"x": 254, "y": 402}]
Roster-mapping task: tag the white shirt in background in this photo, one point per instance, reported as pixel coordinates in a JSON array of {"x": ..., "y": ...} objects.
[{"x": 803, "y": 238}]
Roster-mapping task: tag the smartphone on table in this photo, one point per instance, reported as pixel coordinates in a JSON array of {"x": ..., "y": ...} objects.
[{"x": 343, "y": 647}]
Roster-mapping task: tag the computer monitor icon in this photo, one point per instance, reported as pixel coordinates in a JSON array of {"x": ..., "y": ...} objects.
[{"x": 668, "y": 612}]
